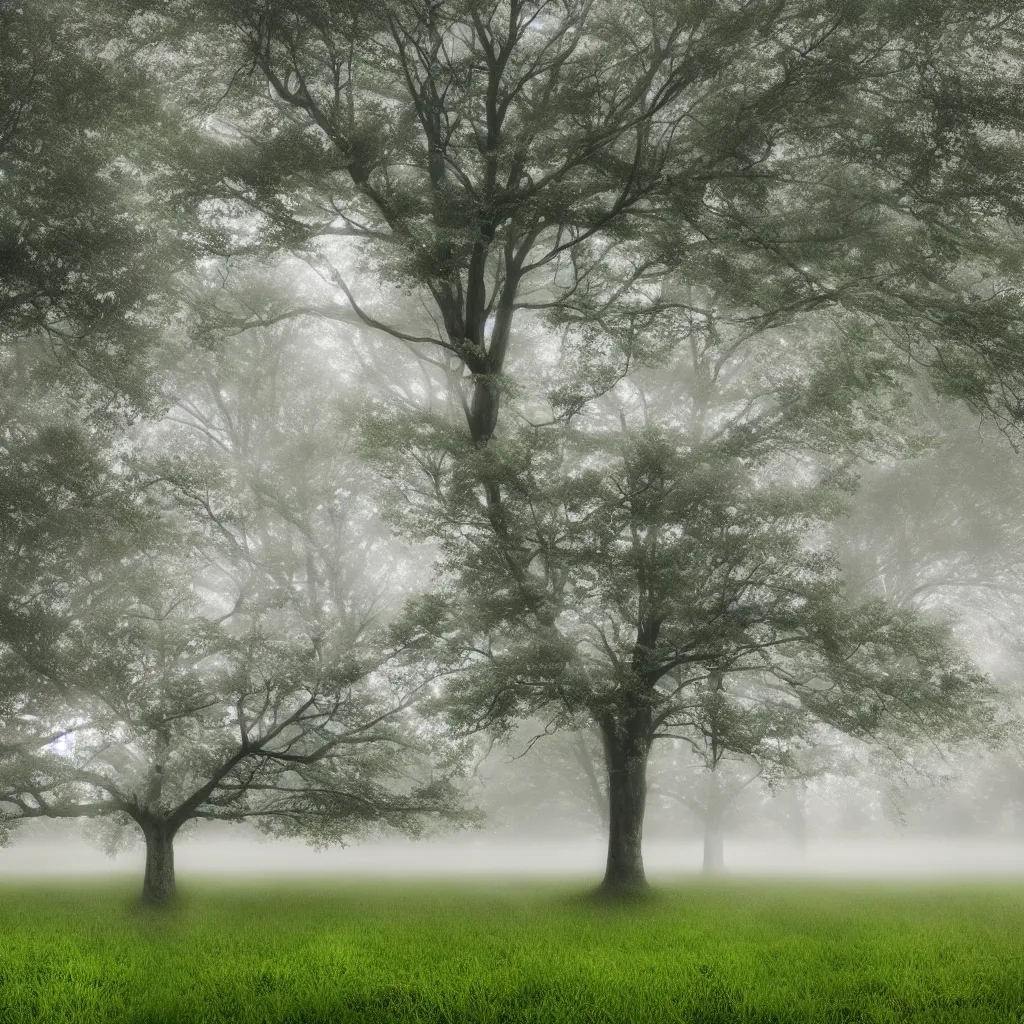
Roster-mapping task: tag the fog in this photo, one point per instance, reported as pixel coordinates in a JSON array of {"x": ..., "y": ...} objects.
[{"x": 237, "y": 855}]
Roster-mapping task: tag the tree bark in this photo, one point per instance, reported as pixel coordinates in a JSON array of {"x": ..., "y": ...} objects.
[
  {"x": 626, "y": 747},
  {"x": 158, "y": 886}
]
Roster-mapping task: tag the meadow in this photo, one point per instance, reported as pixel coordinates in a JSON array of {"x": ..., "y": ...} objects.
[{"x": 313, "y": 952}]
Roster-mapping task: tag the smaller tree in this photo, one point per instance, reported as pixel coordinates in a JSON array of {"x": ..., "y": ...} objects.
[
  {"x": 175, "y": 722},
  {"x": 738, "y": 735}
]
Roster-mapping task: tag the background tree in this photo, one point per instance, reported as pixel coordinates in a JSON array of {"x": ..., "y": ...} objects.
[
  {"x": 545, "y": 778},
  {"x": 942, "y": 529},
  {"x": 942, "y": 533},
  {"x": 739, "y": 735}
]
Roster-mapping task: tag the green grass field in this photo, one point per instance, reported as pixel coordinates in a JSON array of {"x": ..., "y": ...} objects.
[{"x": 318, "y": 952}]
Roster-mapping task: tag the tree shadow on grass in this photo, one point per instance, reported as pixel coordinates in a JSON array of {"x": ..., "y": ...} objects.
[{"x": 615, "y": 899}]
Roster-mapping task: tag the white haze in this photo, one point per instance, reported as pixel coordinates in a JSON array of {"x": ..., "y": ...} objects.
[{"x": 237, "y": 852}]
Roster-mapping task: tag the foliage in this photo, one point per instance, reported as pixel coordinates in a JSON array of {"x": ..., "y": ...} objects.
[
  {"x": 942, "y": 533},
  {"x": 670, "y": 531},
  {"x": 491, "y": 158},
  {"x": 70, "y": 530},
  {"x": 86, "y": 268},
  {"x": 932, "y": 530},
  {"x": 85, "y": 260}
]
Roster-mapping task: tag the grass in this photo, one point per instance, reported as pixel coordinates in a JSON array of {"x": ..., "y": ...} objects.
[{"x": 306, "y": 953}]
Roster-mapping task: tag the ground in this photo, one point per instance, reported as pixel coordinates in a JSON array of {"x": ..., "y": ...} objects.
[{"x": 707, "y": 953}]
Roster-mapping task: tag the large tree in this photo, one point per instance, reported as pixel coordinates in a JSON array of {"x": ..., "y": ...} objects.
[{"x": 663, "y": 566}]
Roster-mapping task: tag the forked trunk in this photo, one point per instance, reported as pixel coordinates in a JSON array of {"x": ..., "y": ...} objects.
[
  {"x": 158, "y": 887},
  {"x": 626, "y": 751}
]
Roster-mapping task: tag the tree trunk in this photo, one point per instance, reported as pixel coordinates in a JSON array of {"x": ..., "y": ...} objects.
[
  {"x": 714, "y": 838},
  {"x": 483, "y": 409},
  {"x": 799, "y": 817},
  {"x": 714, "y": 847},
  {"x": 626, "y": 748},
  {"x": 158, "y": 888}
]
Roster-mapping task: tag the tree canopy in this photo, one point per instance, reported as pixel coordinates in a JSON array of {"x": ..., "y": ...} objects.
[{"x": 497, "y": 157}]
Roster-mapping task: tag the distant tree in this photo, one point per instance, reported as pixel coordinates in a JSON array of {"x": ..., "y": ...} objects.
[
  {"x": 744, "y": 733},
  {"x": 943, "y": 529},
  {"x": 552, "y": 779},
  {"x": 943, "y": 533},
  {"x": 710, "y": 796},
  {"x": 231, "y": 670}
]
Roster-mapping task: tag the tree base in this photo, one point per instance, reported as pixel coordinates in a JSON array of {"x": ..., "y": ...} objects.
[
  {"x": 157, "y": 904},
  {"x": 637, "y": 891}
]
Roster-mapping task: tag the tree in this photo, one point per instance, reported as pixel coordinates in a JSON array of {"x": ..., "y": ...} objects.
[
  {"x": 943, "y": 527},
  {"x": 493, "y": 158},
  {"x": 673, "y": 533},
  {"x": 231, "y": 670},
  {"x": 738, "y": 735},
  {"x": 779, "y": 158},
  {"x": 942, "y": 533},
  {"x": 551, "y": 779}
]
